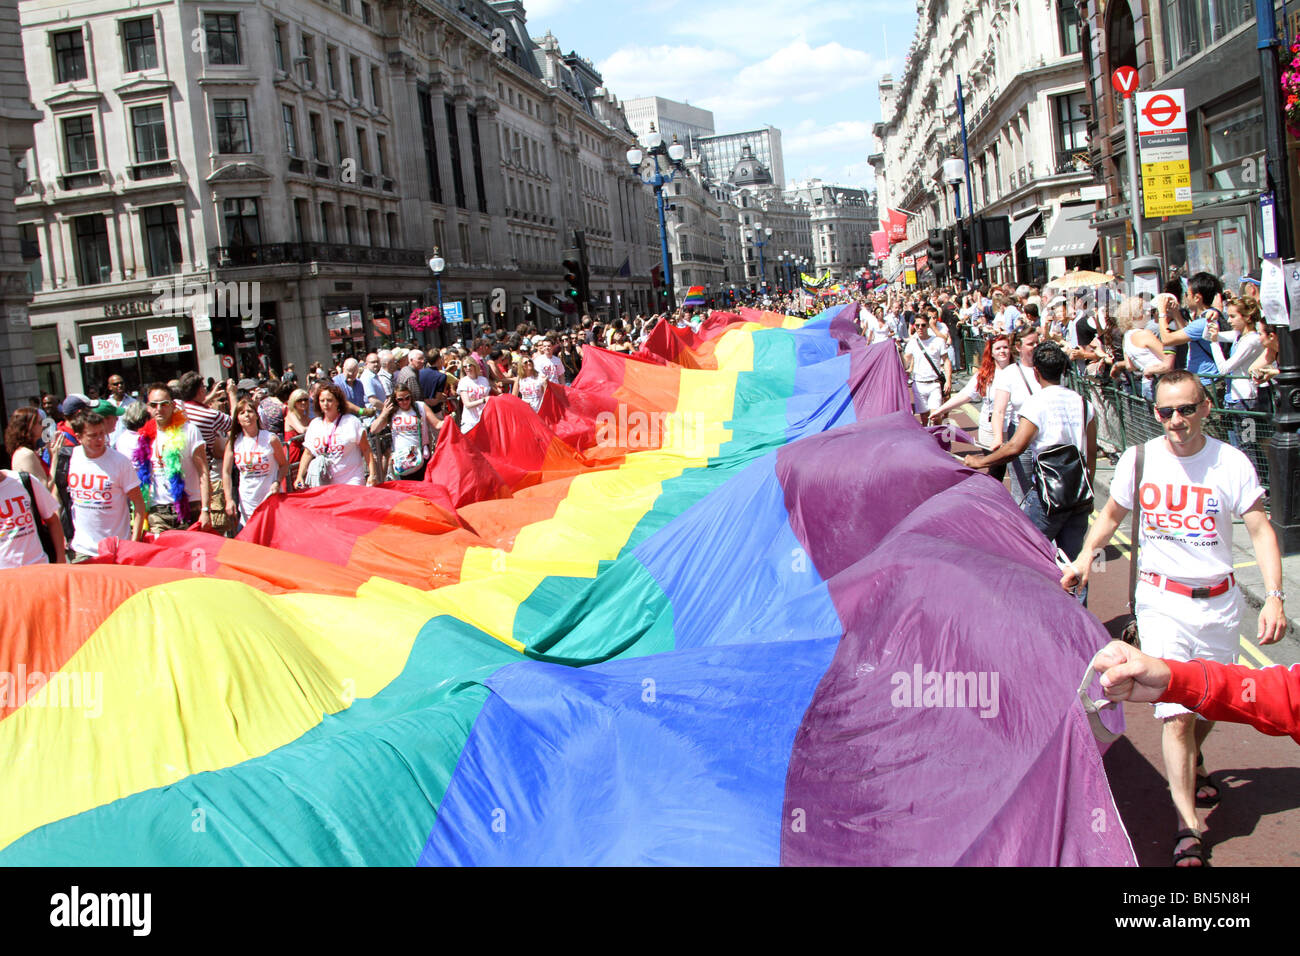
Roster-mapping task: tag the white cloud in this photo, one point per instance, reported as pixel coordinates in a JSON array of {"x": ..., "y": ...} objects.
[
  {"x": 808, "y": 137},
  {"x": 761, "y": 26},
  {"x": 797, "y": 73},
  {"x": 681, "y": 73},
  {"x": 535, "y": 9}
]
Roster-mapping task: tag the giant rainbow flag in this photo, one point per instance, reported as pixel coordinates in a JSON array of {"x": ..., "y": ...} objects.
[{"x": 721, "y": 602}]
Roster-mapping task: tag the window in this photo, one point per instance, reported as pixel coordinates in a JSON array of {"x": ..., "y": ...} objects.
[
  {"x": 141, "y": 48},
  {"x": 430, "y": 146},
  {"x": 279, "y": 28},
  {"x": 350, "y": 224},
  {"x": 477, "y": 155},
  {"x": 375, "y": 96},
  {"x": 222, "y": 33},
  {"x": 1234, "y": 145},
  {"x": 232, "y": 126},
  {"x": 69, "y": 56},
  {"x": 354, "y": 74},
  {"x": 381, "y": 144},
  {"x": 149, "y": 137},
  {"x": 339, "y": 140},
  {"x": 1071, "y": 129},
  {"x": 332, "y": 66},
  {"x": 458, "y": 175},
  {"x": 346, "y": 6},
  {"x": 308, "y": 59},
  {"x": 79, "y": 144},
  {"x": 326, "y": 221},
  {"x": 365, "y": 12},
  {"x": 363, "y": 150},
  {"x": 392, "y": 229},
  {"x": 313, "y": 123},
  {"x": 1067, "y": 17},
  {"x": 91, "y": 239},
  {"x": 1190, "y": 26},
  {"x": 162, "y": 240},
  {"x": 290, "y": 129},
  {"x": 300, "y": 219},
  {"x": 372, "y": 228},
  {"x": 243, "y": 223}
]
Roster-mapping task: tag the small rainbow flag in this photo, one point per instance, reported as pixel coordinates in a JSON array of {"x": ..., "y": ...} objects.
[{"x": 694, "y": 297}]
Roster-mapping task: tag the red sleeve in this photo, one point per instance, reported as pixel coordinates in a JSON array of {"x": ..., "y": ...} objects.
[{"x": 1268, "y": 699}]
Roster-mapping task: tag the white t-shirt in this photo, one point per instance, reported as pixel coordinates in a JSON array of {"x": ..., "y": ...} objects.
[
  {"x": 126, "y": 443},
  {"x": 341, "y": 444},
  {"x": 20, "y": 544},
  {"x": 532, "y": 390},
  {"x": 1019, "y": 384},
  {"x": 409, "y": 447},
  {"x": 258, "y": 471},
  {"x": 970, "y": 391},
  {"x": 1058, "y": 413},
  {"x": 552, "y": 368},
  {"x": 472, "y": 390},
  {"x": 921, "y": 369},
  {"x": 1141, "y": 357},
  {"x": 161, "y": 490},
  {"x": 1187, "y": 508},
  {"x": 98, "y": 489}
]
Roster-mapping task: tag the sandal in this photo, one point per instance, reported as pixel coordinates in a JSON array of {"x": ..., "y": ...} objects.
[
  {"x": 1203, "y": 782},
  {"x": 1196, "y": 851}
]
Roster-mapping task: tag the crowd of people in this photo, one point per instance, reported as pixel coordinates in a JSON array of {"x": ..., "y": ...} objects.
[{"x": 158, "y": 456}]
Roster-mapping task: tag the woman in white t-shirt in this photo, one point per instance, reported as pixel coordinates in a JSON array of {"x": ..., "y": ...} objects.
[
  {"x": 340, "y": 438},
  {"x": 259, "y": 458},
  {"x": 1243, "y": 316},
  {"x": 473, "y": 391},
  {"x": 530, "y": 384},
  {"x": 414, "y": 429},
  {"x": 1012, "y": 387},
  {"x": 997, "y": 356},
  {"x": 1144, "y": 355},
  {"x": 101, "y": 482}
]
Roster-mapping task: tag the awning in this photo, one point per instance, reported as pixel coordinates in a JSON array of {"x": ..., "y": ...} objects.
[
  {"x": 1071, "y": 235},
  {"x": 541, "y": 305},
  {"x": 1022, "y": 225}
]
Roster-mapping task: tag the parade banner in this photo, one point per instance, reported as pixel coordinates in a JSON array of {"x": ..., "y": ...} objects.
[
  {"x": 689, "y": 604},
  {"x": 880, "y": 244},
  {"x": 1163, "y": 154}
]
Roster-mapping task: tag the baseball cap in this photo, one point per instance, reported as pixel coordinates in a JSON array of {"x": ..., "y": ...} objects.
[
  {"x": 1249, "y": 279},
  {"x": 106, "y": 408},
  {"x": 73, "y": 404},
  {"x": 399, "y": 353}
]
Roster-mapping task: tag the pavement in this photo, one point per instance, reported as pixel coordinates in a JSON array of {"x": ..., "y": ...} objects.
[{"x": 1257, "y": 821}]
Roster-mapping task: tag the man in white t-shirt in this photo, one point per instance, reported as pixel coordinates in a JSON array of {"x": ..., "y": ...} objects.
[
  {"x": 1187, "y": 601},
  {"x": 1050, "y": 417},
  {"x": 926, "y": 358},
  {"x": 118, "y": 396},
  {"x": 100, "y": 483},
  {"x": 171, "y": 429},
  {"x": 548, "y": 364},
  {"x": 20, "y": 542}
]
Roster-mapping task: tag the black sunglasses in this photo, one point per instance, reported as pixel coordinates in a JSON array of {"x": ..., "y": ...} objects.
[{"x": 1166, "y": 412}]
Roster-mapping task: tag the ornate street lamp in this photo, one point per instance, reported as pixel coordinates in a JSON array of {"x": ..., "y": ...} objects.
[
  {"x": 756, "y": 236},
  {"x": 657, "y": 176}
]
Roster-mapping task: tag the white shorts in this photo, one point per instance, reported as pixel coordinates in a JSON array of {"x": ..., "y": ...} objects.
[
  {"x": 1182, "y": 628},
  {"x": 926, "y": 396}
]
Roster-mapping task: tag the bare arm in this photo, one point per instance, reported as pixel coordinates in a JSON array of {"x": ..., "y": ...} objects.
[{"x": 1272, "y": 619}]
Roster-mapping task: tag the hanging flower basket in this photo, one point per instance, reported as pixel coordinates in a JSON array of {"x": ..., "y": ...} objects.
[
  {"x": 426, "y": 318},
  {"x": 1291, "y": 89}
]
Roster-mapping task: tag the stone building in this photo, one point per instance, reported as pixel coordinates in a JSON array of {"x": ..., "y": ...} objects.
[
  {"x": 1026, "y": 105},
  {"x": 842, "y": 220},
  {"x": 266, "y": 182}
]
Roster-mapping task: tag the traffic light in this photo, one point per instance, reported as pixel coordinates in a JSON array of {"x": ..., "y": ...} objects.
[
  {"x": 995, "y": 235},
  {"x": 967, "y": 248},
  {"x": 573, "y": 276},
  {"x": 938, "y": 254}
]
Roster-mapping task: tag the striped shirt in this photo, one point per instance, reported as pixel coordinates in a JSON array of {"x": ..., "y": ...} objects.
[{"x": 210, "y": 422}]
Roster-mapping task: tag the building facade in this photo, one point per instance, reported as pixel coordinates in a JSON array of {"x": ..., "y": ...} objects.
[
  {"x": 842, "y": 219},
  {"x": 260, "y": 183},
  {"x": 18, "y": 117},
  {"x": 1209, "y": 52},
  {"x": 681, "y": 120},
  {"x": 723, "y": 151},
  {"x": 1026, "y": 104}
]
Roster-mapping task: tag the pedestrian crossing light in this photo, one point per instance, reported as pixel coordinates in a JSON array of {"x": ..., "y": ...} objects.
[{"x": 573, "y": 276}]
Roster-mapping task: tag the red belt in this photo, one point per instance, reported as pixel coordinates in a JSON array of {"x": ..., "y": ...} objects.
[{"x": 1160, "y": 581}]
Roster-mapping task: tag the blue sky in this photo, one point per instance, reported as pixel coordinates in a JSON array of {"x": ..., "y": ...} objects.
[{"x": 809, "y": 68}]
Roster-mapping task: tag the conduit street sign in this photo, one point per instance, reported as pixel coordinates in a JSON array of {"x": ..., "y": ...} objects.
[{"x": 1162, "y": 151}]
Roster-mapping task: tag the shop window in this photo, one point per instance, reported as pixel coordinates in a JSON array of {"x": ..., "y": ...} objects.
[
  {"x": 162, "y": 240},
  {"x": 69, "y": 56},
  {"x": 92, "y": 260},
  {"x": 222, "y": 34},
  {"x": 1234, "y": 146},
  {"x": 139, "y": 45}
]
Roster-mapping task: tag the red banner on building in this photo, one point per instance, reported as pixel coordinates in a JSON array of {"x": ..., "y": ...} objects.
[
  {"x": 382, "y": 324},
  {"x": 880, "y": 244},
  {"x": 895, "y": 224}
]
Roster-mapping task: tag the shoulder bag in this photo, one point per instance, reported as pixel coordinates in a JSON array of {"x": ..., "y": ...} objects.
[
  {"x": 1061, "y": 476},
  {"x": 42, "y": 529},
  {"x": 943, "y": 385},
  {"x": 1130, "y": 632},
  {"x": 320, "y": 471}
]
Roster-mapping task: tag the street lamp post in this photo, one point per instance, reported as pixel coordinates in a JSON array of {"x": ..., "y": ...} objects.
[
  {"x": 756, "y": 237},
  {"x": 656, "y": 150},
  {"x": 436, "y": 264},
  {"x": 954, "y": 174}
]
